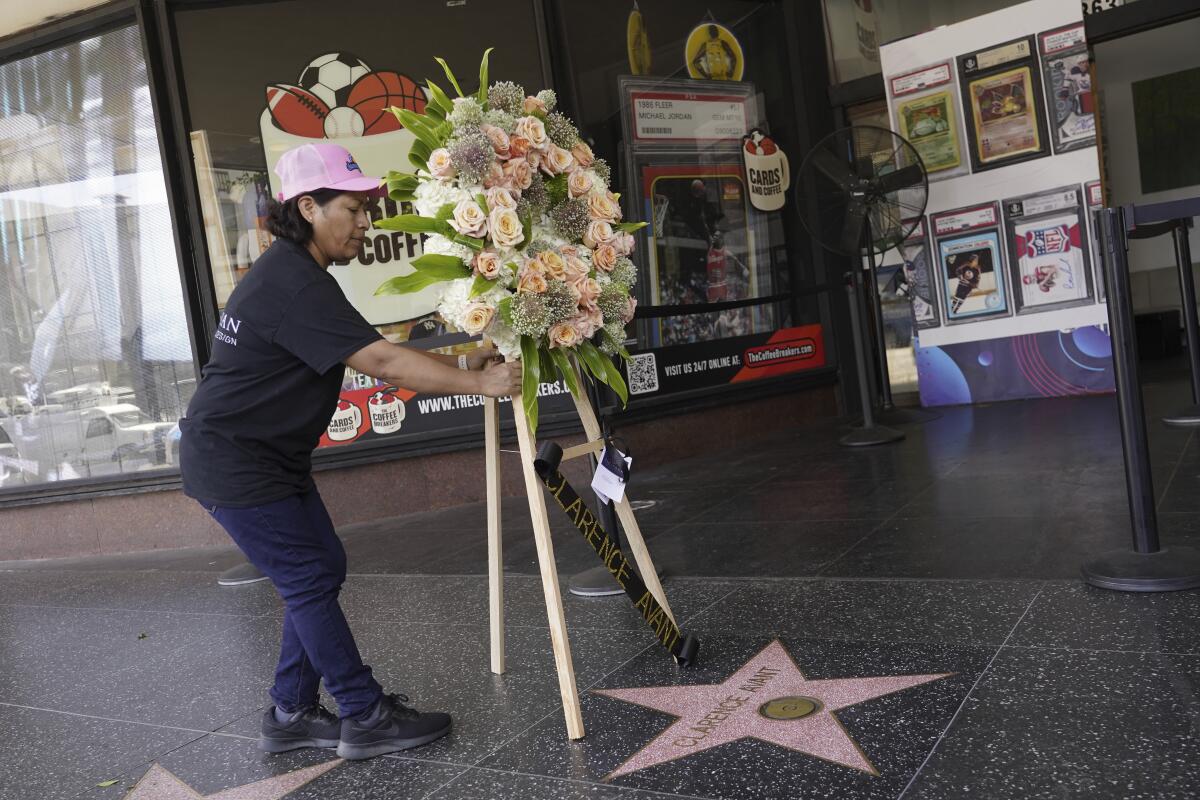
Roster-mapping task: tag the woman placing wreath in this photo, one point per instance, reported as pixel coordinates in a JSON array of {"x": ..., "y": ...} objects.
[{"x": 267, "y": 393}]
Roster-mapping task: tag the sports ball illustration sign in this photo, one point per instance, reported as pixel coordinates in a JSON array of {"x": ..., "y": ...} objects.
[
  {"x": 339, "y": 97},
  {"x": 766, "y": 171}
]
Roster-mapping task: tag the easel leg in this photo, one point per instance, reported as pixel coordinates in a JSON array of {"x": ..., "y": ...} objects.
[
  {"x": 633, "y": 534},
  {"x": 491, "y": 426},
  {"x": 549, "y": 570}
]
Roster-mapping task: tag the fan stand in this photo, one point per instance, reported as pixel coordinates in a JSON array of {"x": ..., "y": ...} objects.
[
  {"x": 889, "y": 413},
  {"x": 870, "y": 434}
]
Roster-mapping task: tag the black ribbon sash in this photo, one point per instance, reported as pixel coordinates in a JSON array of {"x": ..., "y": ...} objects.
[{"x": 683, "y": 647}]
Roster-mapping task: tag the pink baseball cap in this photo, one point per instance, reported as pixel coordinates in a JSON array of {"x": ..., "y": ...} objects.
[{"x": 322, "y": 166}]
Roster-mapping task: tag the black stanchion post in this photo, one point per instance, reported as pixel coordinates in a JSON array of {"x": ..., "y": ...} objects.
[
  {"x": 1147, "y": 567},
  {"x": 1191, "y": 326},
  {"x": 870, "y": 433}
]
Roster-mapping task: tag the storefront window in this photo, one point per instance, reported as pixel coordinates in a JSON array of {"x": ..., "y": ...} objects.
[
  {"x": 691, "y": 108},
  {"x": 95, "y": 361}
]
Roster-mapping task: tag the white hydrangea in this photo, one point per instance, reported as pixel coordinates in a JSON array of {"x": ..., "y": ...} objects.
[
  {"x": 502, "y": 336},
  {"x": 430, "y": 196},
  {"x": 439, "y": 245},
  {"x": 454, "y": 299},
  {"x": 598, "y": 183}
]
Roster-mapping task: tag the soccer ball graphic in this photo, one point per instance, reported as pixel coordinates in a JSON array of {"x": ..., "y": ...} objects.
[{"x": 330, "y": 77}]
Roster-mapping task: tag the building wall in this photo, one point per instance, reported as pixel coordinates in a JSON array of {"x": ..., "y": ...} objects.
[{"x": 168, "y": 519}]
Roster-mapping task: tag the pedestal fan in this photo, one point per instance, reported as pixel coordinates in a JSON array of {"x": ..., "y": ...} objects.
[{"x": 864, "y": 188}]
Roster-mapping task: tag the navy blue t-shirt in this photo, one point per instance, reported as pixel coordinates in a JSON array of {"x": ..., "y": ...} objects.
[{"x": 271, "y": 384}]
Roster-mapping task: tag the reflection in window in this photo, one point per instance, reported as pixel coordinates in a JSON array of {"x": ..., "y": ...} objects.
[{"x": 95, "y": 360}]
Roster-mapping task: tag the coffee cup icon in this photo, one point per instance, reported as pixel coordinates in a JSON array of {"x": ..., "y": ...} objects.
[
  {"x": 344, "y": 424},
  {"x": 386, "y": 410},
  {"x": 767, "y": 172}
]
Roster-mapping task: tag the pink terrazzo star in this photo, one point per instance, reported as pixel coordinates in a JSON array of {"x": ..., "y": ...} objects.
[
  {"x": 160, "y": 784},
  {"x": 715, "y": 714}
]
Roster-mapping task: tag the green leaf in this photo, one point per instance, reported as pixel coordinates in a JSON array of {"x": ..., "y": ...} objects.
[
  {"x": 567, "y": 370},
  {"x": 546, "y": 364},
  {"x": 468, "y": 241},
  {"x": 482, "y": 201},
  {"x": 106, "y": 784},
  {"x": 407, "y": 284},
  {"x": 592, "y": 359},
  {"x": 401, "y": 185},
  {"x": 556, "y": 187},
  {"x": 629, "y": 227},
  {"x": 409, "y": 223},
  {"x": 445, "y": 212},
  {"x": 438, "y": 98},
  {"x": 618, "y": 346},
  {"x": 450, "y": 267},
  {"x": 449, "y": 75},
  {"x": 526, "y": 229},
  {"x": 420, "y": 127},
  {"x": 483, "y": 78},
  {"x": 480, "y": 286},
  {"x": 435, "y": 113},
  {"x": 505, "y": 309},
  {"x": 530, "y": 378},
  {"x": 603, "y": 368},
  {"x": 616, "y": 381},
  {"x": 416, "y": 159}
]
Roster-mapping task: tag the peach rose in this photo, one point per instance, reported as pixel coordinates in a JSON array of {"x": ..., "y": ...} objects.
[
  {"x": 583, "y": 154},
  {"x": 500, "y": 197},
  {"x": 537, "y": 161},
  {"x": 560, "y": 160},
  {"x": 469, "y": 219},
  {"x": 498, "y": 138},
  {"x": 630, "y": 308},
  {"x": 587, "y": 323},
  {"x": 624, "y": 243},
  {"x": 440, "y": 165},
  {"x": 505, "y": 227},
  {"x": 518, "y": 147},
  {"x": 605, "y": 258},
  {"x": 487, "y": 263},
  {"x": 518, "y": 173},
  {"x": 478, "y": 317},
  {"x": 533, "y": 281},
  {"x": 598, "y": 232},
  {"x": 576, "y": 268},
  {"x": 589, "y": 290},
  {"x": 533, "y": 104},
  {"x": 600, "y": 207},
  {"x": 534, "y": 130},
  {"x": 495, "y": 176},
  {"x": 579, "y": 183},
  {"x": 553, "y": 264},
  {"x": 564, "y": 334}
]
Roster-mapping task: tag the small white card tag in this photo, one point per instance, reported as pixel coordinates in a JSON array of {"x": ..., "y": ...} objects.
[{"x": 608, "y": 483}]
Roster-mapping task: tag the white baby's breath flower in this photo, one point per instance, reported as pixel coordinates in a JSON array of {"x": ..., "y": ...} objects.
[{"x": 430, "y": 196}]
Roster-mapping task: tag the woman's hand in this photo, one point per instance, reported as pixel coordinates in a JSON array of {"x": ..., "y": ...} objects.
[
  {"x": 481, "y": 356},
  {"x": 500, "y": 379}
]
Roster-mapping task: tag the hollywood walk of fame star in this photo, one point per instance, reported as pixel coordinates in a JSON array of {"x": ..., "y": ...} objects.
[
  {"x": 768, "y": 698},
  {"x": 159, "y": 784}
]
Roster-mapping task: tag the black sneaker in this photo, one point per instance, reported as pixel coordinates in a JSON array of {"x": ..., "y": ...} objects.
[
  {"x": 390, "y": 726},
  {"x": 312, "y": 727}
]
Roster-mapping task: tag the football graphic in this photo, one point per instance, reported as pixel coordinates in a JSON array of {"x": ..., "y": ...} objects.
[
  {"x": 331, "y": 76},
  {"x": 297, "y": 110},
  {"x": 376, "y": 92}
]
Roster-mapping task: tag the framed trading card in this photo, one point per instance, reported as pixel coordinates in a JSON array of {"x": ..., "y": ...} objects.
[
  {"x": 1005, "y": 116},
  {"x": 1002, "y": 100},
  {"x": 1066, "y": 69},
  {"x": 1048, "y": 250},
  {"x": 929, "y": 123},
  {"x": 971, "y": 274},
  {"x": 1094, "y": 196},
  {"x": 922, "y": 293}
]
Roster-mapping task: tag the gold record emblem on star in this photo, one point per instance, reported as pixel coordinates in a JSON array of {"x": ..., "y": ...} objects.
[
  {"x": 769, "y": 699},
  {"x": 160, "y": 784}
]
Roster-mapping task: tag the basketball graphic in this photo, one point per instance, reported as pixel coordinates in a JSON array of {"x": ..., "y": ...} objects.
[{"x": 374, "y": 93}]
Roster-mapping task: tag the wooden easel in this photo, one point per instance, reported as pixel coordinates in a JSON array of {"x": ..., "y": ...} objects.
[{"x": 545, "y": 547}]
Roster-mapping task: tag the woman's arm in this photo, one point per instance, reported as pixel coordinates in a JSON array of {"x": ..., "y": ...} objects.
[{"x": 417, "y": 371}]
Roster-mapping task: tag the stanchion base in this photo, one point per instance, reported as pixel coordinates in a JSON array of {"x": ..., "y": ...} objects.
[
  {"x": 598, "y": 582},
  {"x": 868, "y": 437},
  {"x": 1184, "y": 417},
  {"x": 906, "y": 416},
  {"x": 1171, "y": 569}
]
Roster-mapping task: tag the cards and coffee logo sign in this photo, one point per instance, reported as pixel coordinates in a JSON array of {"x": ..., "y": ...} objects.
[
  {"x": 338, "y": 97},
  {"x": 767, "y": 171}
]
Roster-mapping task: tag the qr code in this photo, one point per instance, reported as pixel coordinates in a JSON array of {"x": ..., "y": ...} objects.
[{"x": 643, "y": 373}]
